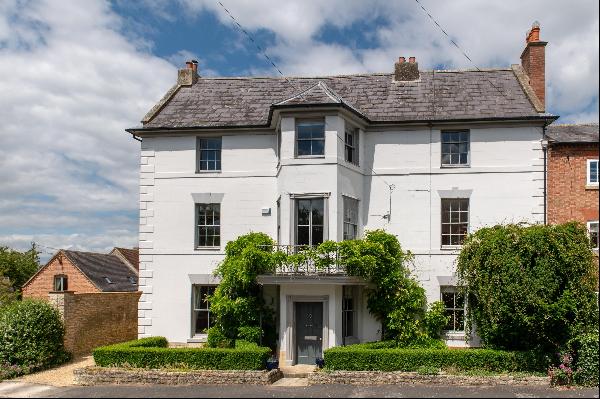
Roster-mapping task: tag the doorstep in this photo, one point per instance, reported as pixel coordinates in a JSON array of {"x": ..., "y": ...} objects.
[{"x": 297, "y": 371}]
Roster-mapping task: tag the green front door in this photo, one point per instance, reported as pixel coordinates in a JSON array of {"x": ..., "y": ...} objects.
[{"x": 309, "y": 332}]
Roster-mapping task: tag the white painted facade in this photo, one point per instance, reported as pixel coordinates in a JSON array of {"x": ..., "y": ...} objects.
[{"x": 504, "y": 183}]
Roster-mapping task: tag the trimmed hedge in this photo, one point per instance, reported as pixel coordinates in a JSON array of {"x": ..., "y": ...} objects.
[
  {"x": 153, "y": 353},
  {"x": 586, "y": 359},
  {"x": 357, "y": 359}
]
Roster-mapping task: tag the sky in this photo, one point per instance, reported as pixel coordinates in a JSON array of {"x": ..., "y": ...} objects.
[{"x": 75, "y": 73}]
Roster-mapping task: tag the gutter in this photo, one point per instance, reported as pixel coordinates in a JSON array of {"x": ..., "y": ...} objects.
[{"x": 547, "y": 118}]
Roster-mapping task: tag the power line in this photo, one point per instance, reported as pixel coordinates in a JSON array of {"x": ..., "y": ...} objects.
[
  {"x": 463, "y": 52},
  {"x": 270, "y": 61}
]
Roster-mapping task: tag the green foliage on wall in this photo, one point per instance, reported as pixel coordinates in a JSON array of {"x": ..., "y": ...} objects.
[{"x": 529, "y": 286}]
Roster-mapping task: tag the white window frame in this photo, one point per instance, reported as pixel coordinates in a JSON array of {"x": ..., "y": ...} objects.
[
  {"x": 195, "y": 310},
  {"x": 64, "y": 282},
  {"x": 296, "y": 139},
  {"x": 454, "y": 290},
  {"x": 589, "y": 227},
  {"x": 589, "y": 172},
  {"x": 353, "y": 148},
  {"x": 468, "y": 142},
  {"x": 346, "y": 200},
  {"x": 453, "y": 246},
  {"x": 199, "y": 154},
  {"x": 197, "y": 226}
]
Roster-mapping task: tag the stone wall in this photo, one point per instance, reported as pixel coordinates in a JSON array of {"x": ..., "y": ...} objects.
[
  {"x": 107, "y": 376},
  {"x": 398, "y": 377},
  {"x": 96, "y": 319}
]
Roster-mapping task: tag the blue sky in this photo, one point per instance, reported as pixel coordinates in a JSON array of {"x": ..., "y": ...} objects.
[{"x": 74, "y": 74}]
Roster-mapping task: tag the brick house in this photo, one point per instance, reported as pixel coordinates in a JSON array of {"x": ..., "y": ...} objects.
[
  {"x": 572, "y": 173},
  {"x": 96, "y": 294},
  {"x": 85, "y": 272}
]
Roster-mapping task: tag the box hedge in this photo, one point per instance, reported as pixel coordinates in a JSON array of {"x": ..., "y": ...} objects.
[
  {"x": 402, "y": 359},
  {"x": 153, "y": 353}
]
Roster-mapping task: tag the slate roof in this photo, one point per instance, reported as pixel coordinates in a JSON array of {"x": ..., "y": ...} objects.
[
  {"x": 437, "y": 95},
  {"x": 574, "y": 133},
  {"x": 97, "y": 267}
]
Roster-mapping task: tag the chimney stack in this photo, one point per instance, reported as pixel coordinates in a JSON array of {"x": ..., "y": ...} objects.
[
  {"x": 406, "y": 71},
  {"x": 188, "y": 75},
  {"x": 533, "y": 61}
]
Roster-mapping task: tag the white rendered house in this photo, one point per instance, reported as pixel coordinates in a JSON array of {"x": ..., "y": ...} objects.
[{"x": 425, "y": 155}]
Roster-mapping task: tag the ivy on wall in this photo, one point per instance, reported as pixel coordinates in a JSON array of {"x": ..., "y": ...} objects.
[{"x": 529, "y": 286}]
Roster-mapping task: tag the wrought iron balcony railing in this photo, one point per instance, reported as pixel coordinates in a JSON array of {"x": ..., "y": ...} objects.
[{"x": 306, "y": 261}]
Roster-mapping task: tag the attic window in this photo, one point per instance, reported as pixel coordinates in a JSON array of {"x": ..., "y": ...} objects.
[
  {"x": 109, "y": 281},
  {"x": 132, "y": 280}
]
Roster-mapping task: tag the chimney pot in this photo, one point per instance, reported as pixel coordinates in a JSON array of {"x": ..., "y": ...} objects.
[
  {"x": 401, "y": 60},
  {"x": 412, "y": 60},
  {"x": 406, "y": 71}
]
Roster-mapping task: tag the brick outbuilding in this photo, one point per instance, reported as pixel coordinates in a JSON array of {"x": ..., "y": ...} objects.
[{"x": 572, "y": 174}]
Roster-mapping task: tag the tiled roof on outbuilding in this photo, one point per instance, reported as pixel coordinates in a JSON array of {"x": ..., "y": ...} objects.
[
  {"x": 132, "y": 256},
  {"x": 573, "y": 133},
  {"x": 436, "y": 95},
  {"x": 107, "y": 272}
]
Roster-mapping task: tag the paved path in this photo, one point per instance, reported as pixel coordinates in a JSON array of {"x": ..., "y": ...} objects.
[{"x": 13, "y": 389}]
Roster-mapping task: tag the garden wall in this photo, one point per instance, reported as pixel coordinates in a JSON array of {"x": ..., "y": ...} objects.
[{"x": 96, "y": 319}]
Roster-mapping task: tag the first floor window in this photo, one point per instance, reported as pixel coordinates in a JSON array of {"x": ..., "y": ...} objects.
[
  {"x": 454, "y": 305},
  {"x": 351, "y": 146},
  {"x": 310, "y": 221},
  {"x": 350, "y": 218},
  {"x": 593, "y": 231},
  {"x": 202, "y": 320},
  {"x": 592, "y": 171},
  {"x": 60, "y": 283},
  {"x": 348, "y": 312},
  {"x": 208, "y": 225},
  {"x": 455, "y": 221}
]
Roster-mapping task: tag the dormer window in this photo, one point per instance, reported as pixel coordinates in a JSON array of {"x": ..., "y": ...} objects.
[{"x": 310, "y": 138}]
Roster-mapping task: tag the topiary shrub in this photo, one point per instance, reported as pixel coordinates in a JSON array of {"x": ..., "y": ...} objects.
[
  {"x": 529, "y": 286},
  {"x": 31, "y": 335}
]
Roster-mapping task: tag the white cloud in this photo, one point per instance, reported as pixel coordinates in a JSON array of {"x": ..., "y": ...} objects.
[{"x": 71, "y": 84}]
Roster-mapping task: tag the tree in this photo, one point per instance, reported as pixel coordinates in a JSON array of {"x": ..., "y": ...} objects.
[
  {"x": 18, "y": 267},
  {"x": 529, "y": 286}
]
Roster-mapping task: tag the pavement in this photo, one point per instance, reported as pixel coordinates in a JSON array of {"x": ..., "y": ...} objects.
[{"x": 19, "y": 389}]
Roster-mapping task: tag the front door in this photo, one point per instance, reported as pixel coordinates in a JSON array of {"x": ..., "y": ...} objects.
[{"x": 309, "y": 332}]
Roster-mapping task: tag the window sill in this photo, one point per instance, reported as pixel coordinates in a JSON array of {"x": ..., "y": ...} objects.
[
  {"x": 200, "y": 172},
  {"x": 309, "y": 156},
  {"x": 453, "y": 334},
  {"x": 591, "y": 186},
  {"x": 451, "y": 247},
  {"x": 198, "y": 338},
  {"x": 442, "y": 166},
  {"x": 207, "y": 249}
]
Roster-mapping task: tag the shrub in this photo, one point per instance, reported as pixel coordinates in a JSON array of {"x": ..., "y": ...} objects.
[
  {"x": 356, "y": 359},
  {"x": 217, "y": 339},
  {"x": 131, "y": 354},
  {"x": 250, "y": 334},
  {"x": 586, "y": 361},
  {"x": 31, "y": 335},
  {"x": 423, "y": 343},
  {"x": 529, "y": 286},
  {"x": 436, "y": 319},
  {"x": 8, "y": 371}
]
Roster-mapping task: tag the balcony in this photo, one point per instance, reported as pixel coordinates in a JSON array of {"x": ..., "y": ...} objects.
[{"x": 301, "y": 260}]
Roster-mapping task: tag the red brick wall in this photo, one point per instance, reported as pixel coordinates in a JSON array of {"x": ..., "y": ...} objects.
[
  {"x": 43, "y": 282},
  {"x": 97, "y": 319},
  {"x": 533, "y": 61},
  {"x": 568, "y": 197}
]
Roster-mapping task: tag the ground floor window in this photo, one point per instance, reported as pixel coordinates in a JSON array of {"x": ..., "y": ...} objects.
[
  {"x": 201, "y": 314},
  {"x": 593, "y": 231},
  {"x": 454, "y": 305},
  {"x": 348, "y": 313}
]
